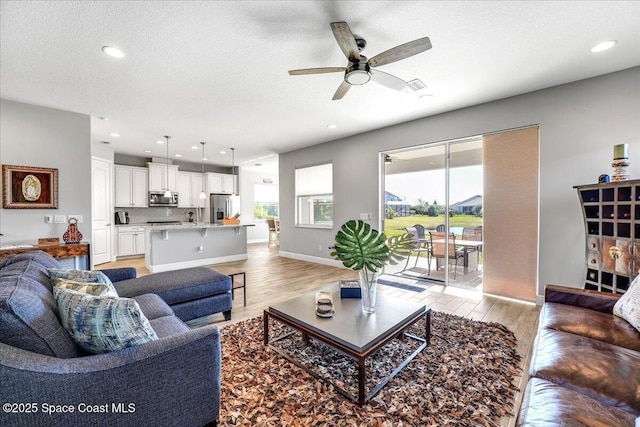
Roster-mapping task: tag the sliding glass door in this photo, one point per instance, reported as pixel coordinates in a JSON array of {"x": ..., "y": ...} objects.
[
  {"x": 473, "y": 205},
  {"x": 435, "y": 191}
]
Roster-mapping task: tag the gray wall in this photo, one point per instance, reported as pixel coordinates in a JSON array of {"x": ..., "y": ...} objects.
[
  {"x": 38, "y": 136},
  {"x": 579, "y": 123}
]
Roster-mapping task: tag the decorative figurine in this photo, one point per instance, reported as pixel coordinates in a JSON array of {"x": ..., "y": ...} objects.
[{"x": 72, "y": 235}]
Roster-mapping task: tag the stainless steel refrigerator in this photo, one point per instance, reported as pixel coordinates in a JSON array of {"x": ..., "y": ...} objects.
[{"x": 223, "y": 206}]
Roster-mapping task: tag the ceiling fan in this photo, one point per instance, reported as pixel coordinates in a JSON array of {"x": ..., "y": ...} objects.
[
  {"x": 359, "y": 70},
  {"x": 388, "y": 159}
]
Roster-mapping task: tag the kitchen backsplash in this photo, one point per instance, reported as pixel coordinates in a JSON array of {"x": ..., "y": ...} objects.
[{"x": 144, "y": 215}]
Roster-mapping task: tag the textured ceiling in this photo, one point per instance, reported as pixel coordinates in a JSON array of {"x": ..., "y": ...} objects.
[{"x": 216, "y": 71}]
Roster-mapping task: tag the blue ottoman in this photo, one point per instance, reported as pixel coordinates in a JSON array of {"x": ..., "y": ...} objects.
[{"x": 191, "y": 292}]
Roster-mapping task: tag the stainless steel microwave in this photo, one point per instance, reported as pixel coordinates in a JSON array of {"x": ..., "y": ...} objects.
[{"x": 157, "y": 198}]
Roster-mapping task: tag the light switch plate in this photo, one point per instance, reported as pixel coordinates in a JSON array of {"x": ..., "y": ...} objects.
[
  {"x": 48, "y": 219},
  {"x": 365, "y": 216},
  {"x": 77, "y": 217},
  {"x": 61, "y": 219}
]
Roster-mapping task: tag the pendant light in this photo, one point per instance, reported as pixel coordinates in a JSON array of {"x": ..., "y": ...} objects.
[
  {"x": 233, "y": 169},
  {"x": 167, "y": 193},
  {"x": 202, "y": 193}
]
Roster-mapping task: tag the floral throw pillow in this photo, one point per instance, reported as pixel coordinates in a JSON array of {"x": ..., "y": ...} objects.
[
  {"x": 628, "y": 306},
  {"x": 95, "y": 289},
  {"x": 100, "y": 324},
  {"x": 87, "y": 276}
]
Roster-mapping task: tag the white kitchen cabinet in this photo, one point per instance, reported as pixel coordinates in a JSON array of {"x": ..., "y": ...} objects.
[
  {"x": 227, "y": 184},
  {"x": 158, "y": 177},
  {"x": 221, "y": 183},
  {"x": 130, "y": 240},
  {"x": 189, "y": 187},
  {"x": 131, "y": 187}
]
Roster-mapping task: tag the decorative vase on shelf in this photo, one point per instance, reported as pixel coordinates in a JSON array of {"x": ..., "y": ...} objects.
[{"x": 368, "y": 287}]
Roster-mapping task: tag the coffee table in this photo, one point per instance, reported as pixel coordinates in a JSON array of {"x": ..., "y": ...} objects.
[{"x": 350, "y": 331}]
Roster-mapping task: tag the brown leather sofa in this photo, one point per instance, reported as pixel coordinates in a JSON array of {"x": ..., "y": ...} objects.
[{"x": 585, "y": 363}]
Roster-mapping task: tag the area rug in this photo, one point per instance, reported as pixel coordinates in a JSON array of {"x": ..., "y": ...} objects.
[{"x": 464, "y": 378}]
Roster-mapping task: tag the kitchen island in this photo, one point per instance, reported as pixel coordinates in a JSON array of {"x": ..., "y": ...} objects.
[{"x": 172, "y": 247}]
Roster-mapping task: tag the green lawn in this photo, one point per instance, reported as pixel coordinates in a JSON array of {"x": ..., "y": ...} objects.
[{"x": 396, "y": 226}]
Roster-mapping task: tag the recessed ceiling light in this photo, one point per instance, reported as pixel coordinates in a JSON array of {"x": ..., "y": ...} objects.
[
  {"x": 103, "y": 118},
  {"x": 600, "y": 47},
  {"x": 113, "y": 51},
  {"x": 331, "y": 126},
  {"x": 147, "y": 151},
  {"x": 204, "y": 159},
  {"x": 115, "y": 135},
  {"x": 178, "y": 155},
  {"x": 105, "y": 142},
  {"x": 194, "y": 147},
  {"x": 159, "y": 141},
  {"x": 223, "y": 152},
  {"x": 258, "y": 164}
]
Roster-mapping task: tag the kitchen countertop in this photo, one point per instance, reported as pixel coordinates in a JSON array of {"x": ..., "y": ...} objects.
[{"x": 191, "y": 225}]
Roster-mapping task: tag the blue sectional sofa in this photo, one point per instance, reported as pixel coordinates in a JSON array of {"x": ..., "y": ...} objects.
[{"x": 47, "y": 380}]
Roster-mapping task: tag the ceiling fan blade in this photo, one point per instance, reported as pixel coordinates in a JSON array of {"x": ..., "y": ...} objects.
[
  {"x": 400, "y": 52},
  {"x": 346, "y": 41},
  {"x": 322, "y": 70},
  {"x": 342, "y": 91},
  {"x": 388, "y": 80}
]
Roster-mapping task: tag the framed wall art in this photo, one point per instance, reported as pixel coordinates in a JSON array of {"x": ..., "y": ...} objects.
[{"x": 29, "y": 187}]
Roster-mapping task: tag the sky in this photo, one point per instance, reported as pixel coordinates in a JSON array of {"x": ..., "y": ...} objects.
[{"x": 430, "y": 185}]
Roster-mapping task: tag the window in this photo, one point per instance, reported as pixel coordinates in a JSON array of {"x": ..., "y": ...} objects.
[
  {"x": 314, "y": 196},
  {"x": 266, "y": 201}
]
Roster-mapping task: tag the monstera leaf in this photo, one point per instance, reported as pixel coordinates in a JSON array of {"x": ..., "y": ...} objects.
[{"x": 359, "y": 247}]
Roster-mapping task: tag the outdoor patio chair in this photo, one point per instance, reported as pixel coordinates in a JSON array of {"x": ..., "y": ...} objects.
[
  {"x": 438, "y": 250},
  {"x": 474, "y": 234},
  {"x": 440, "y": 228},
  {"x": 418, "y": 247}
]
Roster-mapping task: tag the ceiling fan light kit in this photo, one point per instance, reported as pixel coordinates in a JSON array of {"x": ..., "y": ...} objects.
[{"x": 358, "y": 71}]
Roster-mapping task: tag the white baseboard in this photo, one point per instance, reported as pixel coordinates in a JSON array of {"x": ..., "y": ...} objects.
[
  {"x": 195, "y": 263},
  {"x": 314, "y": 259}
]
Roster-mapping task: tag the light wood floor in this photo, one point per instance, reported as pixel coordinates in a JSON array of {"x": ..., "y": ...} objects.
[{"x": 271, "y": 279}]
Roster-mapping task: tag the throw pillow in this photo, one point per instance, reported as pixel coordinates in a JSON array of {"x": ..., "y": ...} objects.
[
  {"x": 95, "y": 289},
  {"x": 628, "y": 306},
  {"x": 100, "y": 324},
  {"x": 87, "y": 276}
]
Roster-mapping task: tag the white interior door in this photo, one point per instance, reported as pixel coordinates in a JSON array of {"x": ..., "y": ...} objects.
[{"x": 102, "y": 210}]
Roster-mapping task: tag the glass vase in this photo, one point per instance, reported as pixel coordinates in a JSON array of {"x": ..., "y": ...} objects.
[{"x": 368, "y": 285}]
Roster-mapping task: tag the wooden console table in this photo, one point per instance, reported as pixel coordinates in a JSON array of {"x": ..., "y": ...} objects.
[{"x": 56, "y": 251}]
